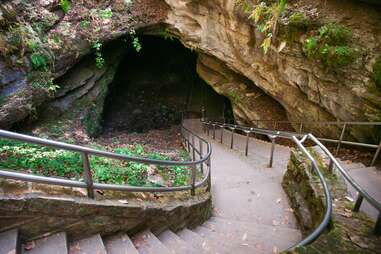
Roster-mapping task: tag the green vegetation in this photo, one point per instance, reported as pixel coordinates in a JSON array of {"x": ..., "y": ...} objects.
[
  {"x": 299, "y": 20},
  {"x": 330, "y": 46},
  {"x": 49, "y": 162},
  {"x": 266, "y": 17},
  {"x": 377, "y": 72},
  {"x": 99, "y": 60},
  {"x": 135, "y": 41},
  {"x": 65, "y": 5},
  {"x": 106, "y": 13}
]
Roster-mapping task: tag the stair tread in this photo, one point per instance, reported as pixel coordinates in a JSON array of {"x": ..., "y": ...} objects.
[
  {"x": 252, "y": 234},
  {"x": 175, "y": 244},
  {"x": 147, "y": 243},
  {"x": 56, "y": 244},
  {"x": 120, "y": 244},
  {"x": 195, "y": 240},
  {"x": 93, "y": 244},
  {"x": 9, "y": 241}
]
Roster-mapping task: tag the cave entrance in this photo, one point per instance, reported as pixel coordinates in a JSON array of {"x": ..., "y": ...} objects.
[{"x": 152, "y": 87}]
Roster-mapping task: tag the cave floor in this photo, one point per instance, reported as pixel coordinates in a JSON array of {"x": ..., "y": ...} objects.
[{"x": 250, "y": 206}]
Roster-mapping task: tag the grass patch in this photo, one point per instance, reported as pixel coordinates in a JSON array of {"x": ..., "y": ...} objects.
[{"x": 51, "y": 162}]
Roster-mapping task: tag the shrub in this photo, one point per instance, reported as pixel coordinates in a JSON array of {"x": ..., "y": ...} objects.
[
  {"x": 65, "y": 5},
  {"x": 298, "y": 19},
  {"x": 330, "y": 46},
  {"x": 39, "y": 61},
  {"x": 335, "y": 34}
]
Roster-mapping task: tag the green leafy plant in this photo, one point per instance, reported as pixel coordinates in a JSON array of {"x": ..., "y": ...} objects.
[
  {"x": 106, "y": 13},
  {"x": 84, "y": 24},
  {"x": 266, "y": 18},
  {"x": 99, "y": 60},
  {"x": 330, "y": 46},
  {"x": 39, "y": 61},
  {"x": 51, "y": 162},
  {"x": 135, "y": 41},
  {"x": 299, "y": 20},
  {"x": 65, "y": 5},
  {"x": 377, "y": 72}
]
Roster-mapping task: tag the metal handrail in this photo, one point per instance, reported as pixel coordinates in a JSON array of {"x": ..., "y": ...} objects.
[
  {"x": 187, "y": 136},
  {"x": 339, "y": 141},
  {"x": 273, "y": 135}
]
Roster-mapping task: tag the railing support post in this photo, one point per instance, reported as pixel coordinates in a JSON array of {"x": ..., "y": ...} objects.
[
  {"x": 232, "y": 138},
  {"x": 376, "y": 155},
  {"x": 193, "y": 190},
  {"x": 222, "y": 134},
  {"x": 301, "y": 128},
  {"x": 214, "y": 131},
  {"x": 201, "y": 155},
  {"x": 209, "y": 167},
  {"x": 330, "y": 167},
  {"x": 377, "y": 227},
  {"x": 88, "y": 175},
  {"x": 247, "y": 143},
  {"x": 341, "y": 139},
  {"x": 358, "y": 203},
  {"x": 272, "y": 151}
]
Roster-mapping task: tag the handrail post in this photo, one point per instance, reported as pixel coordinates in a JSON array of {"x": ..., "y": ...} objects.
[
  {"x": 193, "y": 192},
  {"x": 214, "y": 131},
  {"x": 330, "y": 167},
  {"x": 222, "y": 134},
  {"x": 376, "y": 155},
  {"x": 301, "y": 127},
  {"x": 209, "y": 188},
  {"x": 341, "y": 139},
  {"x": 88, "y": 175},
  {"x": 358, "y": 203},
  {"x": 193, "y": 149},
  {"x": 377, "y": 227},
  {"x": 247, "y": 143},
  {"x": 272, "y": 151},
  {"x": 201, "y": 155},
  {"x": 232, "y": 138}
]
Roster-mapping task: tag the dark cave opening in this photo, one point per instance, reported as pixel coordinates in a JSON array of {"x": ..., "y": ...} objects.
[{"x": 153, "y": 87}]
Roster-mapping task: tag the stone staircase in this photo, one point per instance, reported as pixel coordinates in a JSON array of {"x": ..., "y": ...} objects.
[
  {"x": 217, "y": 235},
  {"x": 370, "y": 179}
]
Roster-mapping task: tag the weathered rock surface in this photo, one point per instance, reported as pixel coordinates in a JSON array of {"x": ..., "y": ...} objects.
[
  {"x": 349, "y": 232},
  {"x": 303, "y": 87},
  {"x": 37, "y": 209},
  {"x": 290, "y": 84}
]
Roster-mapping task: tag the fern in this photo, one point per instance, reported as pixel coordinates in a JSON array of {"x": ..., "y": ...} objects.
[{"x": 65, "y": 5}]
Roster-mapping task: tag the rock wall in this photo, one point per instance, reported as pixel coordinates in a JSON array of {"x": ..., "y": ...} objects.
[
  {"x": 348, "y": 232},
  {"x": 281, "y": 84},
  {"x": 303, "y": 87},
  {"x": 38, "y": 210}
]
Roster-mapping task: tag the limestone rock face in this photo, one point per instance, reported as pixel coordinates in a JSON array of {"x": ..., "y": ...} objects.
[
  {"x": 305, "y": 90},
  {"x": 282, "y": 84}
]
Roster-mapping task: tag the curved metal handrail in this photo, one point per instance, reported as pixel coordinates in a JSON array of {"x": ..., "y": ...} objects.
[
  {"x": 299, "y": 142},
  {"x": 86, "y": 152}
]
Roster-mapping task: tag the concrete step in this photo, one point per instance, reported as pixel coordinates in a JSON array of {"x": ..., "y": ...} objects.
[
  {"x": 120, "y": 244},
  {"x": 196, "y": 241},
  {"x": 369, "y": 178},
  {"x": 260, "y": 235},
  {"x": 227, "y": 243},
  {"x": 147, "y": 243},
  {"x": 348, "y": 165},
  {"x": 56, "y": 244},
  {"x": 9, "y": 242},
  {"x": 93, "y": 244},
  {"x": 175, "y": 244}
]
